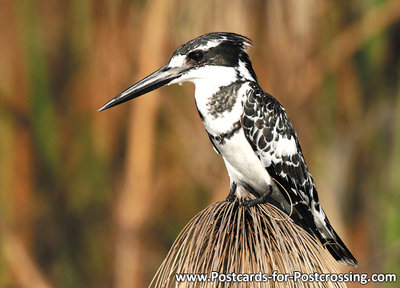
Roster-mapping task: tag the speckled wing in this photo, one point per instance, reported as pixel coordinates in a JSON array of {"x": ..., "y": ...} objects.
[{"x": 273, "y": 139}]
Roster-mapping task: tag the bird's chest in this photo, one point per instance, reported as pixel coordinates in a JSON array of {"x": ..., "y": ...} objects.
[
  {"x": 221, "y": 115},
  {"x": 220, "y": 108}
]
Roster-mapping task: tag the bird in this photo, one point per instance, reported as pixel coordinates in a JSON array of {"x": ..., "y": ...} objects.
[{"x": 249, "y": 128}]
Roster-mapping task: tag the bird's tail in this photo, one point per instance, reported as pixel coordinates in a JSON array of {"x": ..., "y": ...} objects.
[
  {"x": 339, "y": 251},
  {"x": 331, "y": 240}
]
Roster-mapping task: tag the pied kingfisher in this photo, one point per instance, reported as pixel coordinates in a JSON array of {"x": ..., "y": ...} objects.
[{"x": 249, "y": 128}]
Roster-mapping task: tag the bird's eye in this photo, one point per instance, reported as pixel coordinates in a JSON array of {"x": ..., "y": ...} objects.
[{"x": 196, "y": 55}]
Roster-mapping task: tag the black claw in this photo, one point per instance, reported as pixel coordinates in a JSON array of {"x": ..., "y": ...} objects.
[
  {"x": 231, "y": 196},
  {"x": 252, "y": 202},
  {"x": 259, "y": 200}
]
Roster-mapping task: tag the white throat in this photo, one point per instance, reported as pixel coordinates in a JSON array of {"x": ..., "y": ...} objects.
[
  {"x": 211, "y": 78},
  {"x": 208, "y": 80}
]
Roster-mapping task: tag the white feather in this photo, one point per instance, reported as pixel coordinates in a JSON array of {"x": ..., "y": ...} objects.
[
  {"x": 285, "y": 147},
  {"x": 242, "y": 163},
  {"x": 210, "y": 44},
  {"x": 177, "y": 61},
  {"x": 244, "y": 71}
]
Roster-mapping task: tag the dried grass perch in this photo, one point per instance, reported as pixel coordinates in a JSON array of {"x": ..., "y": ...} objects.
[{"x": 226, "y": 237}]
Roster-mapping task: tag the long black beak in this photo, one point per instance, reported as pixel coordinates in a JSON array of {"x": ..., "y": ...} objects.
[{"x": 157, "y": 79}]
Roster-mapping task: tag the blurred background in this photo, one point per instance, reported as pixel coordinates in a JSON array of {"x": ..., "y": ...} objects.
[{"x": 92, "y": 199}]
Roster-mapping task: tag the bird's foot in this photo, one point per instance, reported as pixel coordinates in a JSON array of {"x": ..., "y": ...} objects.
[
  {"x": 231, "y": 196},
  {"x": 259, "y": 200},
  {"x": 254, "y": 202}
]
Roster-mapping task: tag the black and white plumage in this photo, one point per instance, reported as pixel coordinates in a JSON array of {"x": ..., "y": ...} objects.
[{"x": 249, "y": 128}]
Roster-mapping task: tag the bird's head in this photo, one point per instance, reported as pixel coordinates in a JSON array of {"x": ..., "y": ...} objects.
[{"x": 216, "y": 58}]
